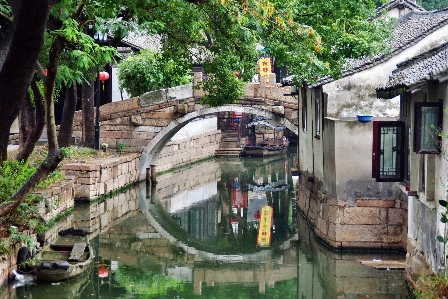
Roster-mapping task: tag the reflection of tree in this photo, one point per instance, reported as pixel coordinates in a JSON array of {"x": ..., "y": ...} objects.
[
  {"x": 281, "y": 290},
  {"x": 148, "y": 284}
]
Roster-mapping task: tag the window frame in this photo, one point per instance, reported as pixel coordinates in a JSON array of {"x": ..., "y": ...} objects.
[
  {"x": 418, "y": 125},
  {"x": 401, "y": 151},
  {"x": 304, "y": 103},
  {"x": 317, "y": 118}
]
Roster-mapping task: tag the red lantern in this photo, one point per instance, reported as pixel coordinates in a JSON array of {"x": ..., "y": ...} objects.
[{"x": 103, "y": 76}]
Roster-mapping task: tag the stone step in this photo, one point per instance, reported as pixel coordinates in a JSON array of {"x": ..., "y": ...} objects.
[
  {"x": 228, "y": 144},
  {"x": 228, "y": 152},
  {"x": 229, "y": 139}
]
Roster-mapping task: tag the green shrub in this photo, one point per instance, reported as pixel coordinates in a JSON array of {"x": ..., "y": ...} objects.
[
  {"x": 13, "y": 175},
  {"x": 121, "y": 147},
  {"x": 429, "y": 287},
  {"x": 148, "y": 71}
]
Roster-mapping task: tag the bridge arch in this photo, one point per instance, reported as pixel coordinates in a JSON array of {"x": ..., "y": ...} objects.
[{"x": 155, "y": 146}]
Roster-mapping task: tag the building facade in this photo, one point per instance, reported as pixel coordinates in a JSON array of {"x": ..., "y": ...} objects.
[{"x": 347, "y": 188}]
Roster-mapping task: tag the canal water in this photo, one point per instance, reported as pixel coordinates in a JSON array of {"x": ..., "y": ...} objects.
[{"x": 195, "y": 233}]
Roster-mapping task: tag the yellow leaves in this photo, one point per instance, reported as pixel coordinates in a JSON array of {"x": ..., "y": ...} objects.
[
  {"x": 311, "y": 33},
  {"x": 270, "y": 10},
  {"x": 299, "y": 30},
  {"x": 281, "y": 22},
  {"x": 291, "y": 22},
  {"x": 317, "y": 42}
]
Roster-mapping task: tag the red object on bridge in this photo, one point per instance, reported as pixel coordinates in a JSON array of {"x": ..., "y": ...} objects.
[{"x": 103, "y": 76}]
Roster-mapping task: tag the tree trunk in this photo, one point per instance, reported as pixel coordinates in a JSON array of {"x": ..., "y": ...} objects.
[
  {"x": 88, "y": 115},
  {"x": 26, "y": 119},
  {"x": 54, "y": 156},
  {"x": 4, "y": 138},
  {"x": 19, "y": 57},
  {"x": 68, "y": 114},
  {"x": 36, "y": 124}
]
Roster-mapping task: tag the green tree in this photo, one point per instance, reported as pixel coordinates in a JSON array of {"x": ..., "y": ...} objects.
[
  {"x": 313, "y": 37},
  {"x": 433, "y": 4},
  {"x": 149, "y": 70}
]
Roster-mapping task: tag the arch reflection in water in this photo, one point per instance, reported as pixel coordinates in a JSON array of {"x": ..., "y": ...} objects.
[{"x": 221, "y": 208}]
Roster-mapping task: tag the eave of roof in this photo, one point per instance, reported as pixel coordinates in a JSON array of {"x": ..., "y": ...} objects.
[
  {"x": 414, "y": 73},
  {"x": 409, "y": 30}
]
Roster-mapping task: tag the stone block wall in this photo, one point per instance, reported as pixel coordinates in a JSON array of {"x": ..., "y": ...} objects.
[
  {"x": 59, "y": 197},
  {"x": 181, "y": 152},
  {"x": 425, "y": 254},
  {"x": 369, "y": 223},
  {"x": 103, "y": 176},
  {"x": 8, "y": 262}
]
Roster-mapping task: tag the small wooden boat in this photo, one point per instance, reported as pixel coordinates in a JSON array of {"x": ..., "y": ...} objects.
[
  {"x": 268, "y": 146},
  {"x": 264, "y": 149},
  {"x": 68, "y": 256}
]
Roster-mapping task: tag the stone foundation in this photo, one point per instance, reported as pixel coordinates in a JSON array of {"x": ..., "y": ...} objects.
[
  {"x": 425, "y": 254},
  {"x": 369, "y": 223},
  {"x": 103, "y": 176},
  {"x": 416, "y": 263}
]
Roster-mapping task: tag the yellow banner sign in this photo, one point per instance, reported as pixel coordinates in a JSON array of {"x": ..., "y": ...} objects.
[
  {"x": 264, "y": 227},
  {"x": 265, "y": 67}
]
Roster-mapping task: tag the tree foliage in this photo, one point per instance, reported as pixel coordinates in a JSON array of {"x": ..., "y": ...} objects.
[
  {"x": 149, "y": 70},
  {"x": 313, "y": 36},
  {"x": 433, "y": 4}
]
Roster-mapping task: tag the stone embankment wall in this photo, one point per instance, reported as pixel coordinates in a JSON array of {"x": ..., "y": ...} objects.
[
  {"x": 103, "y": 176},
  {"x": 57, "y": 199},
  {"x": 368, "y": 223},
  {"x": 8, "y": 262}
]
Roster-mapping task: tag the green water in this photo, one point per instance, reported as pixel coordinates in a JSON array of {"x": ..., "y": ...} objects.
[{"x": 194, "y": 235}]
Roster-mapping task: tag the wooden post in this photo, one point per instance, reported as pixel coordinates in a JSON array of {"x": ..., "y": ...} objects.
[
  {"x": 148, "y": 175},
  {"x": 153, "y": 174}
]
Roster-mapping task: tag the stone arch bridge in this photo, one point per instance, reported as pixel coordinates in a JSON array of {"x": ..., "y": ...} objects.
[{"x": 146, "y": 123}]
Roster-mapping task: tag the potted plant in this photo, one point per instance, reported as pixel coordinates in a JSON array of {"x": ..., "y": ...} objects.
[{"x": 365, "y": 115}]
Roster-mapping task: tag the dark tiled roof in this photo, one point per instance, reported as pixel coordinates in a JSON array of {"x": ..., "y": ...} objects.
[
  {"x": 409, "y": 30},
  {"x": 417, "y": 71},
  {"x": 142, "y": 41}
]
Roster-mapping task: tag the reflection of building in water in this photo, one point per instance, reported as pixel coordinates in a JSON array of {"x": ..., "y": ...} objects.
[
  {"x": 238, "y": 197},
  {"x": 199, "y": 219}
]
